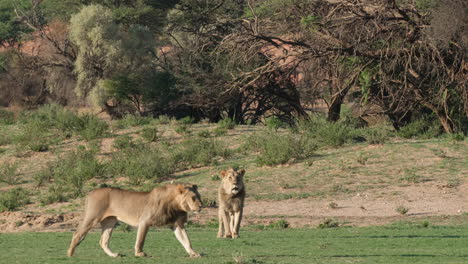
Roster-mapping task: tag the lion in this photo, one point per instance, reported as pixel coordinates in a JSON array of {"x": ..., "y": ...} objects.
[
  {"x": 231, "y": 196},
  {"x": 166, "y": 205}
]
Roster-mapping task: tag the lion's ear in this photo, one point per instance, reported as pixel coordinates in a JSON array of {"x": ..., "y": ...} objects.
[
  {"x": 195, "y": 187},
  {"x": 241, "y": 173},
  {"x": 223, "y": 173}
]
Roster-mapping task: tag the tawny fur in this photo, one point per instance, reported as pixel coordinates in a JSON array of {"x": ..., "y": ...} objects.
[
  {"x": 167, "y": 205},
  {"x": 231, "y": 196}
]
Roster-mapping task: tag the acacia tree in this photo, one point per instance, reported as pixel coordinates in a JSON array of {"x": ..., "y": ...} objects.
[{"x": 113, "y": 62}]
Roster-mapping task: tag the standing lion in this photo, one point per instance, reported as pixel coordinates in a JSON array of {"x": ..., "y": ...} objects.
[
  {"x": 231, "y": 196},
  {"x": 167, "y": 205}
]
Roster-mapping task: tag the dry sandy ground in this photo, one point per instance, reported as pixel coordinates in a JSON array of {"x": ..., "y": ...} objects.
[{"x": 427, "y": 200}]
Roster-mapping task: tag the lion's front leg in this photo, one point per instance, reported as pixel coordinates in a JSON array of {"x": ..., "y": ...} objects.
[
  {"x": 237, "y": 221},
  {"x": 181, "y": 235},
  {"x": 140, "y": 240}
]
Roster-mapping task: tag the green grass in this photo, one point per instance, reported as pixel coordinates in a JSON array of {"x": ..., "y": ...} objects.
[{"x": 390, "y": 244}]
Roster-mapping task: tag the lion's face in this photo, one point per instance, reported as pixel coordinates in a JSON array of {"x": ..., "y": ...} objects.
[
  {"x": 233, "y": 181},
  {"x": 189, "y": 198}
]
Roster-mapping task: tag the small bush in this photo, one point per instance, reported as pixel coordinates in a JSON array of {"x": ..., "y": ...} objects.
[
  {"x": 327, "y": 133},
  {"x": 420, "y": 128},
  {"x": 6, "y": 117},
  {"x": 133, "y": 121},
  {"x": 362, "y": 158},
  {"x": 188, "y": 120},
  {"x": 402, "y": 210},
  {"x": 204, "y": 134},
  {"x": 182, "y": 129},
  {"x": 74, "y": 169},
  {"x": 92, "y": 127},
  {"x": 280, "y": 224},
  {"x": 9, "y": 174},
  {"x": 150, "y": 134},
  {"x": 55, "y": 194},
  {"x": 163, "y": 120},
  {"x": 13, "y": 199},
  {"x": 333, "y": 205},
  {"x": 376, "y": 135},
  {"x": 46, "y": 175},
  {"x": 329, "y": 223},
  {"x": 220, "y": 131},
  {"x": 277, "y": 149},
  {"x": 139, "y": 164},
  {"x": 227, "y": 123},
  {"x": 458, "y": 137},
  {"x": 40, "y": 146},
  {"x": 123, "y": 142},
  {"x": 274, "y": 123},
  {"x": 198, "y": 152}
]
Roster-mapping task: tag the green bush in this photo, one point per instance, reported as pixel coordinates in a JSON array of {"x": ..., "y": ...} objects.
[
  {"x": 275, "y": 148},
  {"x": 329, "y": 223},
  {"x": 182, "y": 129},
  {"x": 227, "y": 123},
  {"x": 423, "y": 128},
  {"x": 204, "y": 134},
  {"x": 74, "y": 169},
  {"x": 150, "y": 134},
  {"x": 376, "y": 135},
  {"x": 13, "y": 199},
  {"x": 163, "y": 120},
  {"x": 9, "y": 173},
  {"x": 188, "y": 120},
  {"x": 198, "y": 152},
  {"x": 6, "y": 117},
  {"x": 92, "y": 127},
  {"x": 219, "y": 131},
  {"x": 274, "y": 123},
  {"x": 326, "y": 133},
  {"x": 139, "y": 164},
  {"x": 133, "y": 121},
  {"x": 123, "y": 142},
  {"x": 55, "y": 194}
]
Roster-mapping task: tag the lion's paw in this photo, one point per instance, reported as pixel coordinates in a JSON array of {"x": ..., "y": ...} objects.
[{"x": 140, "y": 254}]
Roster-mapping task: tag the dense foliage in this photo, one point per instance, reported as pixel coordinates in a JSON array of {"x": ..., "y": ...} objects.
[{"x": 241, "y": 60}]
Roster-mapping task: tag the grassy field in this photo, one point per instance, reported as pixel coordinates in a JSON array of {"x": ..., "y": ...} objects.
[{"x": 398, "y": 243}]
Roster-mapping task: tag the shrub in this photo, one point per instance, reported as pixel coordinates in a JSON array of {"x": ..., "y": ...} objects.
[
  {"x": 402, "y": 210},
  {"x": 13, "y": 199},
  {"x": 376, "y": 135},
  {"x": 277, "y": 148},
  {"x": 274, "y": 123},
  {"x": 329, "y": 223},
  {"x": 74, "y": 169},
  {"x": 219, "y": 131},
  {"x": 133, "y": 121},
  {"x": 198, "y": 152},
  {"x": 6, "y": 117},
  {"x": 55, "y": 194},
  {"x": 92, "y": 127},
  {"x": 188, "y": 120},
  {"x": 182, "y": 129},
  {"x": 9, "y": 174},
  {"x": 227, "y": 123},
  {"x": 139, "y": 164},
  {"x": 423, "y": 127},
  {"x": 163, "y": 120},
  {"x": 204, "y": 134},
  {"x": 327, "y": 133},
  {"x": 150, "y": 134},
  {"x": 123, "y": 142},
  {"x": 280, "y": 224}
]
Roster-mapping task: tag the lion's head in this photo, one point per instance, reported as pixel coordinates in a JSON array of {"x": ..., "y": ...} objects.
[
  {"x": 232, "y": 180},
  {"x": 188, "y": 197}
]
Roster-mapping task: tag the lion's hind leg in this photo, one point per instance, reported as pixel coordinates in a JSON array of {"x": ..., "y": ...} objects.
[
  {"x": 80, "y": 234},
  {"x": 107, "y": 225}
]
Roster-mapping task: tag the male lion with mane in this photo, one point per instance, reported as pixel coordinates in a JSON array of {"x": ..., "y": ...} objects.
[
  {"x": 167, "y": 205},
  {"x": 231, "y": 196}
]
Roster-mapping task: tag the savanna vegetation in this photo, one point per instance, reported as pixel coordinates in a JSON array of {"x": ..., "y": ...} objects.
[{"x": 320, "y": 101}]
